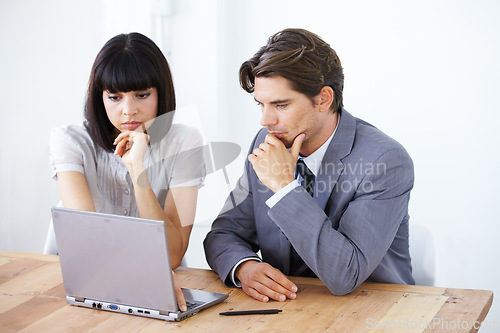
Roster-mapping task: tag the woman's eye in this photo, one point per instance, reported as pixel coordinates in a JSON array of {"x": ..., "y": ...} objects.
[
  {"x": 113, "y": 98},
  {"x": 145, "y": 95}
]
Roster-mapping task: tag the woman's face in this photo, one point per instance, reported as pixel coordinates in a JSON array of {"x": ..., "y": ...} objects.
[{"x": 128, "y": 111}]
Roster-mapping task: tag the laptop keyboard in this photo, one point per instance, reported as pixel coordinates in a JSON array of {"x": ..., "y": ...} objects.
[{"x": 191, "y": 305}]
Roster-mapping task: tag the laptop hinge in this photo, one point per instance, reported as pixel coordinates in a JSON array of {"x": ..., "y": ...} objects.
[{"x": 169, "y": 314}]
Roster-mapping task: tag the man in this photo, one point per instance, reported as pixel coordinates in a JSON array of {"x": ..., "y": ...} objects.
[{"x": 348, "y": 222}]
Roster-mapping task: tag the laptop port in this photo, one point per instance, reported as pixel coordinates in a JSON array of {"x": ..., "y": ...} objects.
[
  {"x": 140, "y": 311},
  {"x": 130, "y": 310},
  {"x": 113, "y": 307},
  {"x": 146, "y": 312},
  {"x": 99, "y": 305},
  {"x": 94, "y": 305}
]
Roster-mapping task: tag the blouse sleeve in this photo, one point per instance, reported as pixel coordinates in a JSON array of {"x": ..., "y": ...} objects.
[
  {"x": 189, "y": 168},
  {"x": 64, "y": 153}
]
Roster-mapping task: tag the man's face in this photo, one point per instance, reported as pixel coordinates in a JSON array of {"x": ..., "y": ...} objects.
[{"x": 286, "y": 113}]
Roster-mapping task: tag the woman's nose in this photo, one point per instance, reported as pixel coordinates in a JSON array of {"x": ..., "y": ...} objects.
[{"x": 129, "y": 107}]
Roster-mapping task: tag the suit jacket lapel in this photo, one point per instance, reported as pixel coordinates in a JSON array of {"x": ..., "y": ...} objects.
[{"x": 332, "y": 167}]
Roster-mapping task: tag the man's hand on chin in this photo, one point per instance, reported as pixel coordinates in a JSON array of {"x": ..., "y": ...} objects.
[{"x": 273, "y": 163}]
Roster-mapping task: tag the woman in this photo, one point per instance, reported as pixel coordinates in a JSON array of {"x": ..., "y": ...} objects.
[{"x": 128, "y": 158}]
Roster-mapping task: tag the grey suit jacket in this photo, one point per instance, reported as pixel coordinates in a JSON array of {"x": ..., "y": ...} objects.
[{"x": 355, "y": 228}]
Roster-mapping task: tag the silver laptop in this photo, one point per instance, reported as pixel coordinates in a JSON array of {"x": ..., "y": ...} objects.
[{"x": 121, "y": 264}]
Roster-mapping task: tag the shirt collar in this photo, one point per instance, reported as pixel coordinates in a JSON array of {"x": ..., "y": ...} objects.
[{"x": 313, "y": 161}]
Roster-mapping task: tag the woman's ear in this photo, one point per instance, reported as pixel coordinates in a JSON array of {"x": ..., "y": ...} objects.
[{"x": 325, "y": 98}]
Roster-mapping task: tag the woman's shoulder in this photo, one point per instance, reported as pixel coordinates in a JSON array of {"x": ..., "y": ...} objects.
[
  {"x": 71, "y": 138},
  {"x": 185, "y": 135},
  {"x": 71, "y": 132},
  {"x": 180, "y": 129}
]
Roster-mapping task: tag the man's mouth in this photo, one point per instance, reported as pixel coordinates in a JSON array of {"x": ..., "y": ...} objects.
[{"x": 277, "y": 134}]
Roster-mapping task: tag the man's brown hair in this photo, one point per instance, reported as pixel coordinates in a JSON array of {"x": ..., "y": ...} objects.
[{"x": 300, "y": 56}]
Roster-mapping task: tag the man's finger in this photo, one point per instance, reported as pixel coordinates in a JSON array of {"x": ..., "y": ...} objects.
[
  {"x": 272, "y": 140},
  {"x": 297, "y": 144},
  {"x": 282, "y": 282},
  {"x": 265, "y": 293},
  {"x": 255, "y": 294}
]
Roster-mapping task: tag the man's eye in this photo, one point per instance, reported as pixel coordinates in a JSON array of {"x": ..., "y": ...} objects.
[{"x": 281, "y": 106}]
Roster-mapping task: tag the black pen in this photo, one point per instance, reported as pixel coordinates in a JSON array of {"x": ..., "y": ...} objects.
[{"x": 250, "y": 312}]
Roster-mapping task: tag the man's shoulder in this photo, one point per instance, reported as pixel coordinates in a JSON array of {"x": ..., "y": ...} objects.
[
  {"x": 261, "y": 134},
  {"x": 370, "y": 138}
]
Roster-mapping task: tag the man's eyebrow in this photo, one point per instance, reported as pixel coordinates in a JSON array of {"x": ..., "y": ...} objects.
[{"x": 278, "y": 101}]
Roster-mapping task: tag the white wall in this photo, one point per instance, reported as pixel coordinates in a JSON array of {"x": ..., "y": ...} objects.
[
  {"x": 47, "y": 49},
  {"x": 424, "y": 72}
]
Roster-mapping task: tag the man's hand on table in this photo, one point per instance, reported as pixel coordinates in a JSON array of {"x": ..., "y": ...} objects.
[{"x": 264, "y": 282}]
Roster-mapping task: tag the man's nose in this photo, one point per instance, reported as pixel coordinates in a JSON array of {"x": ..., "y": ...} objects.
[{"x": 268, "y": 117}]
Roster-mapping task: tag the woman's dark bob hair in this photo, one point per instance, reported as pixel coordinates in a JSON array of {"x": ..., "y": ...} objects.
[{"x": 128, "y": 62}]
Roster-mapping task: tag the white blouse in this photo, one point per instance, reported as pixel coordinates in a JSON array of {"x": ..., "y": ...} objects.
[{"x": 175, "y": 161}]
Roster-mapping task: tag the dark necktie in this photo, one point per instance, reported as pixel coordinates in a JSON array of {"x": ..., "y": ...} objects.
[
  {"x": 297, "y": 265},
  {"x": 307, "y": 176}
]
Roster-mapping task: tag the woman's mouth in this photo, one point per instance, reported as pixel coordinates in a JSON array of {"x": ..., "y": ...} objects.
[{"x": 131, "y": 125}]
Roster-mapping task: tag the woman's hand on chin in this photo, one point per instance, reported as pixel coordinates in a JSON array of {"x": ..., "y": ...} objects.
[{"x": 132, "y": 147}]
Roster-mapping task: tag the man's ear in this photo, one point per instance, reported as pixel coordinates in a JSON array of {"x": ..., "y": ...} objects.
[{"x": 325, "y": 98}]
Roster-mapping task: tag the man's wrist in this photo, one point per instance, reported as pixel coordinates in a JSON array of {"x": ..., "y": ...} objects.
[
  {"x": 281, "y": 184},
  {"x": 232, "y": 273},
  {"x": 276, "y": 197}
]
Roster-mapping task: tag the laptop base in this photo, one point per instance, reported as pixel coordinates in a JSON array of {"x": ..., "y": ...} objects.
[
  {"x": 97, "y": 249},
  {"x": 126, "y": 309}
]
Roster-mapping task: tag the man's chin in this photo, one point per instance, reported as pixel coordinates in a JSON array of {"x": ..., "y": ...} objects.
[{"x": 287, "y": 143}]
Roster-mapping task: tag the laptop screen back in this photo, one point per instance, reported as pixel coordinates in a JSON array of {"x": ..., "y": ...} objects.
[{"x": 115, "y": 259}]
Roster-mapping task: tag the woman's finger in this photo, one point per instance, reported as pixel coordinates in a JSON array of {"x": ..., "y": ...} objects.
[
  {"x": 179, "y": 295},
  {"x": 121, "y": 147},
  {"x": 120, "y": 137}
]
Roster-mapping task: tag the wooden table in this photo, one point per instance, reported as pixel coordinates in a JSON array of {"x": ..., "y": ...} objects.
[{"x": 32, "y": 299}]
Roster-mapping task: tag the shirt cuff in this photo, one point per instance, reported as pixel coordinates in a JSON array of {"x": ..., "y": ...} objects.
[
  {"x": 281, "y": 193},
  {"x": 235, "y": 281},
  {"x": 66, "y": 167}
]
